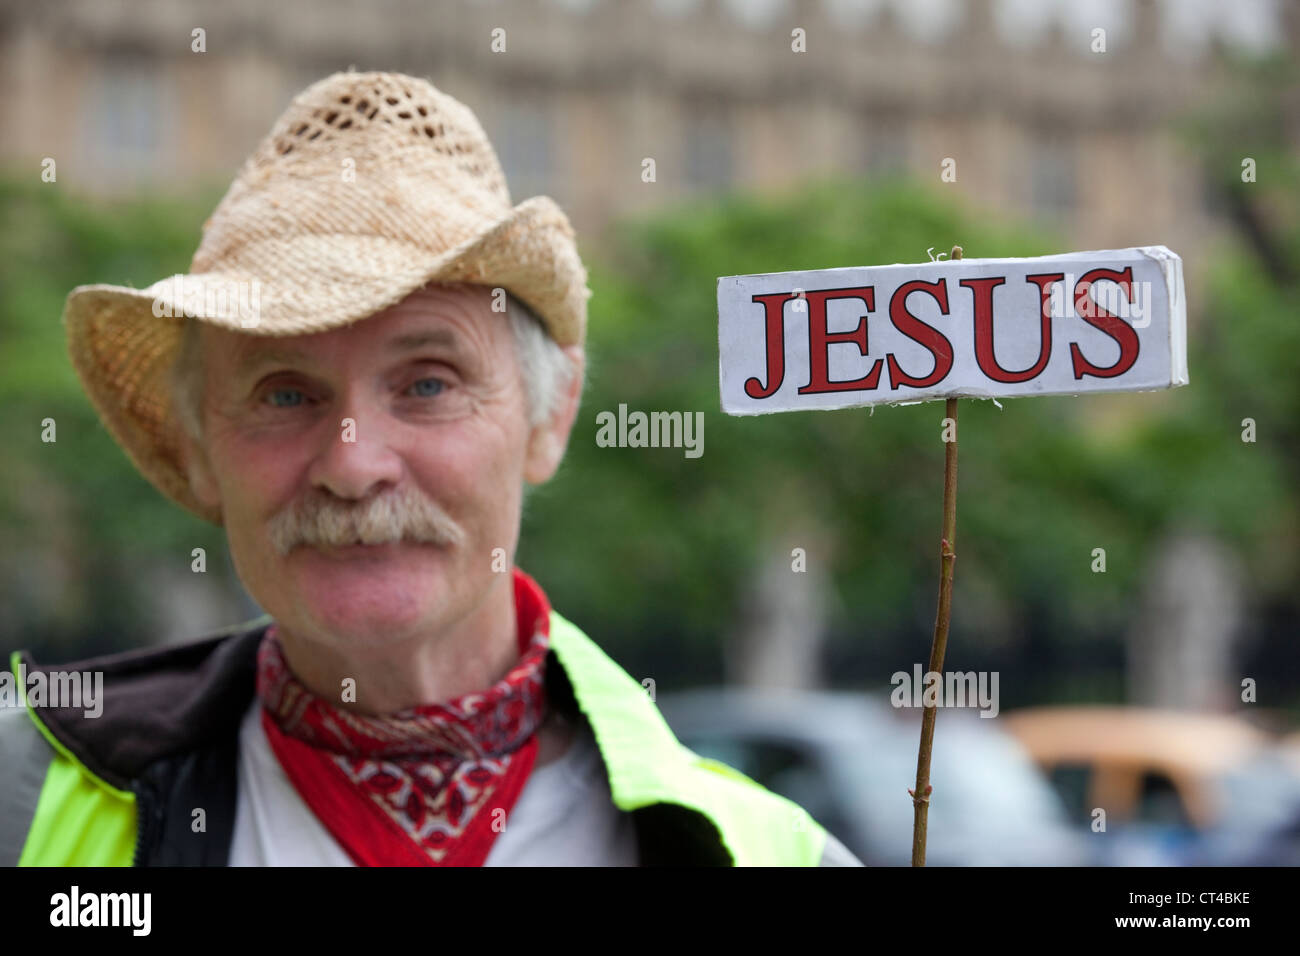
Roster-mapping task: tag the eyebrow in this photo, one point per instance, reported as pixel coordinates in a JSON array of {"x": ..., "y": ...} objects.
[
  {"x": 259, "y": 357},
  {"x": 416, "y": 340},
  {"x": 254, "y": 359}
]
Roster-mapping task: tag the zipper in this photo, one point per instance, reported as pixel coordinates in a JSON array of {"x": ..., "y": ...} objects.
[{"x": 149, "y": 814}]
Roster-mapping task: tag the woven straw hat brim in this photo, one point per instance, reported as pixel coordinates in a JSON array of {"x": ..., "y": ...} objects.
[{"x": 123, "y": 352}]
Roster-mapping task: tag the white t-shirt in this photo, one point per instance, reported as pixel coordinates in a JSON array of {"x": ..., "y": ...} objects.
[{"x": 564, "y": 816}]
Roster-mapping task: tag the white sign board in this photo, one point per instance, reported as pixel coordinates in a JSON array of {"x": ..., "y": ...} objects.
[{"x": 1107, "y": 321}]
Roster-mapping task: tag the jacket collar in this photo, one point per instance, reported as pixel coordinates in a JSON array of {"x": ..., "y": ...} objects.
[
  {"x": 158, "y": 703},
  {"x": 189, "y": 700}
]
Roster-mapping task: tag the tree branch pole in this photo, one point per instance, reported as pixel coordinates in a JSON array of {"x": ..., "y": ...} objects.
[{"x": 947, "y": 557}]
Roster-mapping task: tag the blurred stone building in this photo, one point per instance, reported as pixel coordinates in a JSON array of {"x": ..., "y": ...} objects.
[
  {"x": 1045, "y": 116},
  {"x": 1068, "y": 112}
]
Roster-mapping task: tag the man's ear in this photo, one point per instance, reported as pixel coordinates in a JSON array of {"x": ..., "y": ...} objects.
[
  {"x": 199, "y": 470},
  {"x": 548, "y": 440}
]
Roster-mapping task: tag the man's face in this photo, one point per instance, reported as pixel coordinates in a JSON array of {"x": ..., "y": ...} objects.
[{"x": 312, "y": 443}]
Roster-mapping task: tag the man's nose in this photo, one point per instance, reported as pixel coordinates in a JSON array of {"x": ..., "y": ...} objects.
[{"x": 356, "y": 460}]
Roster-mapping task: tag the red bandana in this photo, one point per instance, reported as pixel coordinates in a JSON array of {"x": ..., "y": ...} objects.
[{"x": 428, "y": 786}]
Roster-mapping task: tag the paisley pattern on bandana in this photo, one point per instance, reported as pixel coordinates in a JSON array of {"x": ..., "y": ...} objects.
[{"x": 431, "y": 785}]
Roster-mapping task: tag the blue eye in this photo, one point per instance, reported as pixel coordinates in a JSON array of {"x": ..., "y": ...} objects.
[
  {"x": 428, "y": 387},
  {"x": 293, "y": 395}
]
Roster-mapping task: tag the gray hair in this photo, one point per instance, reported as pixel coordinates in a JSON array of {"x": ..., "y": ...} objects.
[{"x": 547, "y": 371}]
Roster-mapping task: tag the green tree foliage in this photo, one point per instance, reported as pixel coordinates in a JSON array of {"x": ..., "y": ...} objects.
[
  {"x": 78, "y": 521},
  {"x": 651, "y": 551},
  {"x": 650, "y": 544}
]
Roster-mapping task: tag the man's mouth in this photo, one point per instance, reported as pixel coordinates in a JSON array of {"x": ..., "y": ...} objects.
[{"x": 358, "y": 550}]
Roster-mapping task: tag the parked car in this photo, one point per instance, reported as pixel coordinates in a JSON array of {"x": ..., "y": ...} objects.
[
  {"x": 1289, "y": 748},
  {"x": 849, "y": 759},
  {"x": 1177, "y": 788}
]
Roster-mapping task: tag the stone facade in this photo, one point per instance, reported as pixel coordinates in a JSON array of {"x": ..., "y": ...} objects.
[{"x": 1040, "y": 125}]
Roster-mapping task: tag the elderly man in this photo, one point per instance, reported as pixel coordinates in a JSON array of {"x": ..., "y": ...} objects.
[{"x": 372, "y": 356}]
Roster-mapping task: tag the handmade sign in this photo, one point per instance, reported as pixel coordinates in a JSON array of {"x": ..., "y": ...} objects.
[
  {"x": 1105, "y": 321},
  {"x": 1052, "y": 325}
]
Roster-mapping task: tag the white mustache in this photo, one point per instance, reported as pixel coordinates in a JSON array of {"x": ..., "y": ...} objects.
[{"x": 405, "y": 515}]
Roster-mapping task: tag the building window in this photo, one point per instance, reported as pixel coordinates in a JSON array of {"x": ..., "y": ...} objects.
[
  {"x": 525, "y": 143},
  {"x": 707, "y": 150},
  {"x": 884, "y": 147},
  {"x": 129, "y": 113},
  {"x": 1052, "y": 175}
]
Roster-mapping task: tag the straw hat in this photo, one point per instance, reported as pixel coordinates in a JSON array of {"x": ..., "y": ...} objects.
[{"x": 368, "y": 186}]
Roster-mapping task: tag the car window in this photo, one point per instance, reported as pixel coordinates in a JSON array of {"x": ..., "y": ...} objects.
[
  {"x": 757, "y": 757},
  {"x": 1262, "y": 794},
  {"x": 785, "y": 768},
  {"x": 1072, "y": 782},
  {"x": 986, "y": 784},
  {"x": 1159, "y": 803},
  {"x": 729, "y": 750}
]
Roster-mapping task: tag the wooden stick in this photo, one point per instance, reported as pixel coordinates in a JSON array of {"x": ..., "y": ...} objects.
[{"x": 947, "y": 557}]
